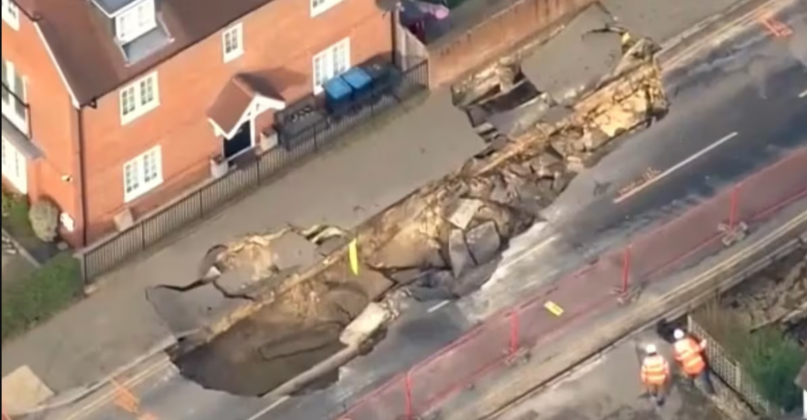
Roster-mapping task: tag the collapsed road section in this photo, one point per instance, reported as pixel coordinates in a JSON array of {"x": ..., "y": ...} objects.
[
  {"x": 271, "y": 305},
  {"x": 290, "y": 293}
]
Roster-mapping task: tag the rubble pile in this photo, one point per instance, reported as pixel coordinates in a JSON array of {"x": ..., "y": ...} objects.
[
  {"x": 778, "y": 295},
  {"x": 447, "y": 251}
]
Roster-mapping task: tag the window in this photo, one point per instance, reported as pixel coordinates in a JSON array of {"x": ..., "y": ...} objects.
[
  {"x": 232, "y": 42},
  {"x": 135, "y": 21},
  {"x": 14, "y": 168},
  {"x": 11, "y": 14},
  {"x": 139, "y": 98},
  {"x": 330, "y": 63},
  {"x": 319, "y": 6},
  {"x": 142, "y": 174},
  {"x": 13, "y": 96}
]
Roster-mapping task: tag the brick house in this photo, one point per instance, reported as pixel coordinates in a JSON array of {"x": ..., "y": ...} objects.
[{"x": 111, "y": 108}]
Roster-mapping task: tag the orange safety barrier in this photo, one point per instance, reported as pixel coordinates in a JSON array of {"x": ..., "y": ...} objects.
[{"x": 492, "y": 346}]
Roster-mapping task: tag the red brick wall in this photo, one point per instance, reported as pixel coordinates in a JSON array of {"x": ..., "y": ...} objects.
[
  {"x": 280, "y": 36},
  {"x": 491, "y": 33},
  {"x": 51, "y": 116}
]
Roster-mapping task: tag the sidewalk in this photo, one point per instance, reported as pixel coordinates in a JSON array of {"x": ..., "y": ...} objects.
[{"x": 343, "y": 187}]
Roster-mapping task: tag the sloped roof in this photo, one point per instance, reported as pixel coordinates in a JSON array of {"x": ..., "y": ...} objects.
[
  {"x": 85, "y": 50},
  {"x": 235, "y": 97}
]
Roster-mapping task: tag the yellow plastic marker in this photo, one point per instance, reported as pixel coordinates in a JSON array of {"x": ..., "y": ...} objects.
[
  {"x": 553, "y": 308},
  {"x": 353, "y": 256}
]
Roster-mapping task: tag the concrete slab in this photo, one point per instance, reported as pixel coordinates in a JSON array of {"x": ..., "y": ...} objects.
[
  {"x": 575, "y": 58},
  {"x": 293, "y": 251},
  {"x": 191, "y": 310},
  {"x": 22, "y": 389}
]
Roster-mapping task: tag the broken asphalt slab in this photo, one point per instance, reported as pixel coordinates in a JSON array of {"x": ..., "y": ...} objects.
[{"x": 581, "y": 54}]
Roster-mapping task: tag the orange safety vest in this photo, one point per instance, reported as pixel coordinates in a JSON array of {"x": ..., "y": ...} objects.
[
  {"x": 688, "y": 354},
  {"x": 655, "y": 370}
]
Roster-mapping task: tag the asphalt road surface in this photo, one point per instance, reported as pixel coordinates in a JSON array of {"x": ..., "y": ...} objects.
[{"x": 735, "y": 112}]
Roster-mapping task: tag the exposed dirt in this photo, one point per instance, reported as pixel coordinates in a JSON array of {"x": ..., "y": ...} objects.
[
  {"x": 300, "y": 329},
  {"x": 777, "y": 295}
]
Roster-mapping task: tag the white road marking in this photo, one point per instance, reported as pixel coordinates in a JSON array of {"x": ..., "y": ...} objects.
[
  {"x": 803, "y": 94},
  {"x": 269, "y": 408},
  {"x": 438, "y": 306},
  {"x": 676, "y": 167}
]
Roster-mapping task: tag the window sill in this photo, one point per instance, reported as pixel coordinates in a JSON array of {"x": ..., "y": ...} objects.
[
  {"x": 233, "y": 55},
  {"x": 134, "y": 195},
  {"x": 126, "y": 119},
  {"x": 316, "y": 11}
]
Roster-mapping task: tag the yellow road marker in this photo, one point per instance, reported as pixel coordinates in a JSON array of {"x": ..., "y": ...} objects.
[
  {"x": 353, "y": 256},
  {"x": 553, "y": 308}
]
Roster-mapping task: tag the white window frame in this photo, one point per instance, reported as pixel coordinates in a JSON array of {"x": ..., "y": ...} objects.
[
  {"x": 144, "y": 179},
  {"x": 234, "y": 34},
  {"x": 15, "y": 167},
  {"x": 8, "y": 108},
  {"x": 327, "y": 64},
  {"x": 11, "y": 14},
  {"x": 132, "y": 101},
  {"x": 320, "y": 6},
  {"x": 135, "y": 21}
]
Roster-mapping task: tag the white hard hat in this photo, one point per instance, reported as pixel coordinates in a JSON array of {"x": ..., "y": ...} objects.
[
  {"x": 650, "y": 349},
  {"x": 678, "y": 334}
]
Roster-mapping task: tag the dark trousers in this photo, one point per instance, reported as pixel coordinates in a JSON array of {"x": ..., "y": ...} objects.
[
  {"x": 657, "y": 393},
  {"x": 704, "y": 379}
]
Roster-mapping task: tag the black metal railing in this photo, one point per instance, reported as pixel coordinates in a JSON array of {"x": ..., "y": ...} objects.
[
  {"x": 294, "y": 147},
  {"x": 16, "y": 109}
]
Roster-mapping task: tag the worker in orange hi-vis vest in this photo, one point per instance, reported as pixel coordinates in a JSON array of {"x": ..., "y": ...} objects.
[
  {"x": 655, "y": 373},
  {"x": 689, "y": 354}
]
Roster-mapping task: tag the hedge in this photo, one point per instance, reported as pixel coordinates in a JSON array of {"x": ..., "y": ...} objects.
[
  {"x": 37, "y": 297},
  {"x": 773, "y": 362}
]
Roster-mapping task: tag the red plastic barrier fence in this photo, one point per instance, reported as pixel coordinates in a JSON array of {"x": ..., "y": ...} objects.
[{"x": 650, "y": 256}]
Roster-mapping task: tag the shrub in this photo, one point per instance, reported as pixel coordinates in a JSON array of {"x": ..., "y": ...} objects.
[
  {"x": 773, "y": 361},
  {"x": 44, "y": 292},
  {"x": 15, "y": 212},
  {"x": 44, "y": 217}
]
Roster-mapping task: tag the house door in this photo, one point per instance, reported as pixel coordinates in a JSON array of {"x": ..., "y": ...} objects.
[{"x": 241, "y": 141}]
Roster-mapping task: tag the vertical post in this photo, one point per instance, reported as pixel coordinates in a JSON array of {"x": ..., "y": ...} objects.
[
  {"x": 408, "y": 394},
  {"x": 514, "y": 332},
  {"x": 733, "y": 206},
  {"x": 626, "y": 269}
]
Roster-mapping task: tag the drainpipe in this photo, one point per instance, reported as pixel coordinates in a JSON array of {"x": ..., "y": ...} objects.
[{"x": 81, "y": 173}]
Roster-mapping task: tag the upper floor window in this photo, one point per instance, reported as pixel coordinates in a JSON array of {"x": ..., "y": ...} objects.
[
  {"x": 142, "y": 174},
  {"x": 330, "y": 63},
  {"x": 14, "y": 105},
  {"x": 139, "y": 98},
  {"x": 232, "y": 42},
  {"x": 135, "y": 21},
  {"x": 319, "y": 6},
  {"x": 11, "y": 14}
]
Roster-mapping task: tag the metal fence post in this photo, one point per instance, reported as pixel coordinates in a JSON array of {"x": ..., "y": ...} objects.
[
  {"x": 626, "y": 269},
  {"x": 408, "y": 393},
  {"x": 514, "y": 333}
]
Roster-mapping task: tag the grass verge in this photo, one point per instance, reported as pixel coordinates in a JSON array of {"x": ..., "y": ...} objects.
[{"x": 40, "y": 295}]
